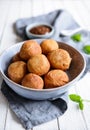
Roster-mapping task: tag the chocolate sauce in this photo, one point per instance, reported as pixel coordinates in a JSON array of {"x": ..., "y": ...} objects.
[{"x": 40, "y": 30}]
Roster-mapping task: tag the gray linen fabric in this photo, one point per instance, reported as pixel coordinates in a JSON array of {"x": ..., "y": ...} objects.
[
  {"x": 60, "y": 19},
  {"x": 32, "y": 113}
]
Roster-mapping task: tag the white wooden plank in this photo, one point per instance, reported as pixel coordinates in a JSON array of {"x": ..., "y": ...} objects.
[
  {"x": 72, "y": 119},
  {"x": 83, "y": 86},
  {"x": 4, "y": 8},
  {"x": 9, "y": 37},
  {"x": 83, "y": 12},
  {"x": 50, "y": 5},
  {"x": 37, "y": 7},
  {"x": 71, "y": 6},
  {"x": 52, "y": 125},
  {"x": 83, "y": 89},
  {"x": 3, "y": 111},
  {"x": 3, "y": 108},
  {"x": 12, "y": 122},
  {"x": 3, "y": 102},
  {"x": 26, "y": 9},
  {"x": 87, "y": 5}
]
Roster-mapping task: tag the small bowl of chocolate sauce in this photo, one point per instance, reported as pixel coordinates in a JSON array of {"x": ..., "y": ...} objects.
[{"x": 39, "y": 30}]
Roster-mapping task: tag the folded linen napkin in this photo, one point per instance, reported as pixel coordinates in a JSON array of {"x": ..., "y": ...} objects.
[
  {"x": 60, "y": 19},
  {"x": 32, "y": 113}
]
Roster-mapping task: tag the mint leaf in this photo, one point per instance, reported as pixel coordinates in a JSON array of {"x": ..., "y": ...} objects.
[
  {"x": 75, "y": 97},
  {"x": 86, "y": 49},
  {"x": 81, "y": 105},
  {"x": 76, "y": 37}
]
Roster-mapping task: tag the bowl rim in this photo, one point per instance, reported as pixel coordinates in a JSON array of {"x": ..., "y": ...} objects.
[
  {"x": 41, "y": 90},
  {"x": 28, "y": 27}
]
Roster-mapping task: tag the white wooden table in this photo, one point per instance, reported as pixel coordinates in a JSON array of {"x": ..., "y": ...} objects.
[{"x": 10, "y": 11}]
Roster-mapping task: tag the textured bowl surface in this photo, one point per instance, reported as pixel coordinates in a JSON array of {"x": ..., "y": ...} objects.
[{"x": 76, "y": 70}]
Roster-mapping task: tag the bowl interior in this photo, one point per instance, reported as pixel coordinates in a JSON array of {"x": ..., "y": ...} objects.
[{"x": 77, "y": 63}]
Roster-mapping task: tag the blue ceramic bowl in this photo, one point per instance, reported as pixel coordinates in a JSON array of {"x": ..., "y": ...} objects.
[{"x": 75, "y": 71}]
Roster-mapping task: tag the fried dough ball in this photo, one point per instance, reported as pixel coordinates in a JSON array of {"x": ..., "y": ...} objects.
[
  {"x": 48, "y": 45},
  {"x": 38, "y": 64},
  {"x": 59, "y": 59},
  {"x": 55, "y": 78},
  {"x": 16, "y": 58},
  {"x": 30, "y": 48},
  {"x": 33, "y": 81},
  {"x": 17, "y": 70}
]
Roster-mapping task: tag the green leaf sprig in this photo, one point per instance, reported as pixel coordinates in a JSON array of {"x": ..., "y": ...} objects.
[
  {"x": 86, "y": 49},
  {"x": 76, "y": 37},
  {"x": 77, "y": 98}
]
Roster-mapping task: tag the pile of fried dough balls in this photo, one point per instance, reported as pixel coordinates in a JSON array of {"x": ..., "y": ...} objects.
[{"x": 40, "y": 66}]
